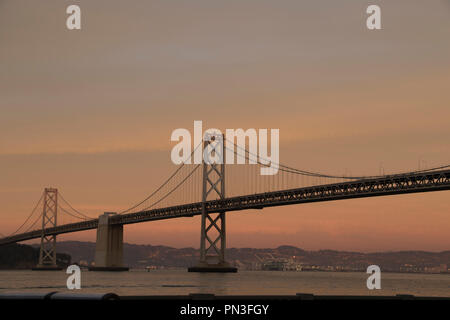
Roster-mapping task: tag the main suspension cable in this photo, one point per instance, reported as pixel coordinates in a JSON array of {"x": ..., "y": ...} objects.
[
  {"x": 29, "y": 216},
  {"x": 315, "y": 174},
  {"x": 80, "y": 213},
  {"x": 163, "y": 185}
]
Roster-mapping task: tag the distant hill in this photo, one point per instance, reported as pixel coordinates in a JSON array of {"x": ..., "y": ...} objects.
[
  {"x": 135, "y": 256},
  {"x": 140, "y": 256},
  {"x": 20, "y": 256}
]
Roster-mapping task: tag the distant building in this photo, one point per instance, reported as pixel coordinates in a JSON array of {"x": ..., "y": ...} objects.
[
  {"x": 83, "y": 263},
  {"x": 436, "y": 269},
  {"x": 274, "y": 265}
]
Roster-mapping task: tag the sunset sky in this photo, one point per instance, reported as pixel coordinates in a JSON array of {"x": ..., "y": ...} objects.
[{"x": 91, "y": 111}]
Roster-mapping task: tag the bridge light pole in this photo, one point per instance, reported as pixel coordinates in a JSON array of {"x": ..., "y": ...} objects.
[
  {"x": 47, "y": 251},
  {"x": 212, "y": 254}
]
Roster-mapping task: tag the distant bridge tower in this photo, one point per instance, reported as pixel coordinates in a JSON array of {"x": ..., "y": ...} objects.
[
  {"x": 47, "y": 252},
  {"x": 213, "y": 237}
]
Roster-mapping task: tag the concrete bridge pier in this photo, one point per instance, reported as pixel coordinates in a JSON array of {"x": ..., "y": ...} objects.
[{"x": 109, "y": 246}]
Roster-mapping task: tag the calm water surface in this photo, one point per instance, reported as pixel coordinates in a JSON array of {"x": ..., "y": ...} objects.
[{"x": 175, "y": 282}]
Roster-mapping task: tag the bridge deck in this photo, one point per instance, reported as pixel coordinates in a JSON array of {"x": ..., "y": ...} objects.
[{"x": 388, "y": 185}]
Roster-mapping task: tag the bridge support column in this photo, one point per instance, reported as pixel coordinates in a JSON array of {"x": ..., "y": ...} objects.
[
  {"x": 109, "y": 246},
  {"x": 47, "y": 251},
  {"x": 213, "y": 237}
]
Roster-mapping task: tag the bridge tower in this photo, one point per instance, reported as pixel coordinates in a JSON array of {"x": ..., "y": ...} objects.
[
  {"x": 212, "y": 233},
  {"x": 47, "y": 252}
]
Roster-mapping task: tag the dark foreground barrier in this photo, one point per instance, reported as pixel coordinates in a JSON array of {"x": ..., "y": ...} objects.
[
  {"x": 58, "y": 296},
  {"x": 204, "y": 297}
]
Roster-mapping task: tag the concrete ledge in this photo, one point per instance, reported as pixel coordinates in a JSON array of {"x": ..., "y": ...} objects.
[
  {"x": 116, "y": 269},
  {"x": 58, "y": 296},
  {"x": 282, "y": 298},
  {"x": 26, "y": 296},
  {"x": 84, "y": 296}
]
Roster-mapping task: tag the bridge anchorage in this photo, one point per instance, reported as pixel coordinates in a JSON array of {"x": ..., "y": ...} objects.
[
  {"x": 109, "y": 245},
  {"x": 212, "y": 238},
  {"x": 47, "y": 251}
]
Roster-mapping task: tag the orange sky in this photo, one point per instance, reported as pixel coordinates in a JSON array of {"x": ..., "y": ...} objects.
[{"x": 91, "y": 112}]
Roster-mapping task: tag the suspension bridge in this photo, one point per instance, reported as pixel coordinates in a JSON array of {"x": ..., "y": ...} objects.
[{"x": 210, "y": 190}]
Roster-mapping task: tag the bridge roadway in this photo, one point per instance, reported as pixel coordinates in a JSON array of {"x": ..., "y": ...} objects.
[{"x": 372, "y": 187}]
